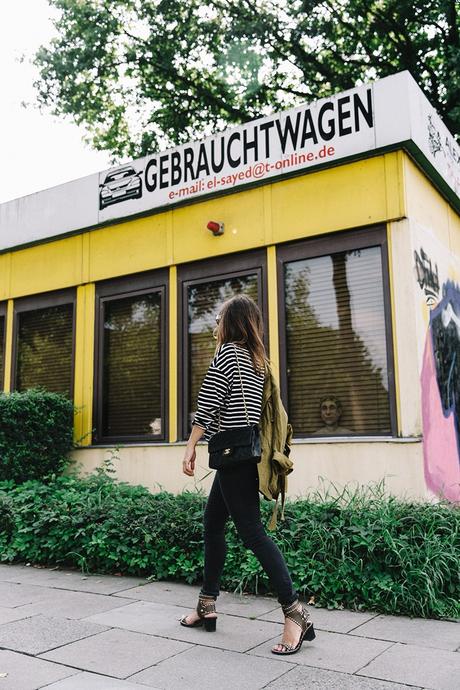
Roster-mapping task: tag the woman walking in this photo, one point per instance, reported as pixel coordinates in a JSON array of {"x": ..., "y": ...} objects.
[{"x": 231, "y": 396}]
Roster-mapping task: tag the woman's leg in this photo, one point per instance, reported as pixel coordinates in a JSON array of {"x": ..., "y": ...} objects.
[
  {"x": 215, "y": 517},
  {"x": 240, "y": 489},
  {"x": 215, "y": 547}
]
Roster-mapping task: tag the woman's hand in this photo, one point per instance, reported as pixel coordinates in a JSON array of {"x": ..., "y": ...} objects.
[{"x": 188, "y": 463}]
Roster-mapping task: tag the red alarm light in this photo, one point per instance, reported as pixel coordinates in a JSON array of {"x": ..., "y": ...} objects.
[{"x": 215, "y": 227}]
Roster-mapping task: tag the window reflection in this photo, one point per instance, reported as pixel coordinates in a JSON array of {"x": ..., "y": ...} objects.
[
  {"x": 131, "y": 402},
  {"x": 336, "y": 344},
  {"x": 2, "y": 351},
  {"x": 44, "y": 349}
]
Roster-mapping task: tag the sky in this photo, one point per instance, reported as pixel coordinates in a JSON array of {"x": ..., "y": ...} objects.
[{"x": 36, "y": 150}]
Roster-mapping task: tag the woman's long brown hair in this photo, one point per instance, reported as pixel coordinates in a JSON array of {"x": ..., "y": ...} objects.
[{"x": 241, "y": 323}]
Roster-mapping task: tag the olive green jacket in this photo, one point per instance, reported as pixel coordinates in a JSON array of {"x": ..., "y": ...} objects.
[{"x": 275, "y": 435}]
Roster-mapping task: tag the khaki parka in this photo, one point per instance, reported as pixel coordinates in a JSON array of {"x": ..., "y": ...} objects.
[{"x": 275, "y": 436}]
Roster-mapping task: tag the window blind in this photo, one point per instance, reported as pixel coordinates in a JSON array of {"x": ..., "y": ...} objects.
[
  {"x": 336, "y": 344},
  {"x": 44, "y": 349},
  {"x": 132, "y": 364},
  {"x": 204, "y": 302}
]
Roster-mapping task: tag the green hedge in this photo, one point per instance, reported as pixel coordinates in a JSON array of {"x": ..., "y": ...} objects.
[
  {"x": 357, "y": 550},
  {"x": 7, "y": 521},
  {"x": 36, "y": 434}
]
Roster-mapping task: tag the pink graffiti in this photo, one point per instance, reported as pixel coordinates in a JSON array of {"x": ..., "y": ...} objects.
[{"x": 440, "y": 451}]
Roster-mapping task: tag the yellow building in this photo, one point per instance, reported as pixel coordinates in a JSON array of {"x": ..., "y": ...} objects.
[{"x": 340, "y": 217}]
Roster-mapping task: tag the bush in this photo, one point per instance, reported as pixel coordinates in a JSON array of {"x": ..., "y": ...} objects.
[
  {"x": 6, "y": 519},
  {"x": 36, "y": 434},
  {"x": 358, "y": 549}
]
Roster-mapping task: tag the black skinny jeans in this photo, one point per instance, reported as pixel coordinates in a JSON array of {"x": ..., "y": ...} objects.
[{"x": 235, "y": 493}]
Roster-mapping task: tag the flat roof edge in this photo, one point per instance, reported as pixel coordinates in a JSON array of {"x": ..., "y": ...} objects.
[{"x": 389, "y": 114}]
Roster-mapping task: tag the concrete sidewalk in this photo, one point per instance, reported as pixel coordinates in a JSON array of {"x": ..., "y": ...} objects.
[{"x": 65, "y": 631}]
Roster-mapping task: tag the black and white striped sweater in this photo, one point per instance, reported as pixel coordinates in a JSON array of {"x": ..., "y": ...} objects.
[{"x": 221, "y": 390}]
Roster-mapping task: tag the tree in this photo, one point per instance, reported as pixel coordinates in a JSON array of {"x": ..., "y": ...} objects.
[{"x": 142, "y": 74}]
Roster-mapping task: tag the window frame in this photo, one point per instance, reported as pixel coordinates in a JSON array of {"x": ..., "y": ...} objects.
[
  {"x": 208, "y": 271},
  {"x": 347, "y": 240},
  {"x": 42, "y": 301},
  {"x": 3, "y": 313},
  {"x": 157, "y": 281}
]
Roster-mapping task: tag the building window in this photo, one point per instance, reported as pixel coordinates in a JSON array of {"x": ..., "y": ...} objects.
[
  {"x": 337, "y": 378},
  {"x": 204, "y": 287},
  {"x": 131, "y": 359},
  {"x": 2, "y": 345},
  {"x": 43, "y": 353}
]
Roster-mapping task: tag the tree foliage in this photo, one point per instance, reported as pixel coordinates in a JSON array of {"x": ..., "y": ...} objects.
[{"x": 139, "y": 74}]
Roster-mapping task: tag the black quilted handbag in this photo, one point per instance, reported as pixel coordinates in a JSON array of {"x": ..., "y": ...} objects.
[{"x": 235, "y": 446}]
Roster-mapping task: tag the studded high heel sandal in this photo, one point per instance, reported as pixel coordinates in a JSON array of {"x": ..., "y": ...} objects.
[
  {"x": 299, "y": 616},
  {"x": 206, "y": 604}
]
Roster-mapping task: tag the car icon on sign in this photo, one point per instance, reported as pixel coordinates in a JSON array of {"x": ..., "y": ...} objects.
[{"x": 119, "y": 185}]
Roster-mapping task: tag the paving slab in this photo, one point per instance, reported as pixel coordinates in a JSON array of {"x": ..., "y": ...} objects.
[
  {"x": 174, "y": 593},
  {"x": 233, "y": 632},
  {"x": 62, "y": 603},
  {"x": 13, "y": 594},
  {"x": 68, "y": 579},
  {"x": 204, "y": 668},
  {"x": 93, "y": 681},
  {"x": 333, "y": 651},
  {"x": 179, "y": 594},
  {"x": 116, "y": 652},
  {"x": 331, "y": 620},
  {"x": 436, "y": 669},
  {"x": 319, "y": 679},
  {"x": 41, "y": 633},
  {"x": 27, "y": 673},
  {"x": 248, "y": 605},
  {"x": 418, "y": 631},
  {"x": 7, "y": 615}
]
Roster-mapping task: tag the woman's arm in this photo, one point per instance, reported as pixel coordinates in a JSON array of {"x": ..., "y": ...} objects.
[
  {"x": 188, "y": 463},
  {"x": 210, "y": 399}
]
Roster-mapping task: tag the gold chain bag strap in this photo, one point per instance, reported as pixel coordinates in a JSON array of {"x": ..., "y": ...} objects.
[{"x": 236, "y": 445}]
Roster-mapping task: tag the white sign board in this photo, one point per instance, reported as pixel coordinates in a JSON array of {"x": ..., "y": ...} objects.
[
  {"x": 368, "y": 118},
  {"x": 324, "y": 132}
]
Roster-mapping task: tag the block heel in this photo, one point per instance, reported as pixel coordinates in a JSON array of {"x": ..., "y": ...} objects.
[
  {"x": 310, "y": 634},
  {"x": 210, "y": 624}
]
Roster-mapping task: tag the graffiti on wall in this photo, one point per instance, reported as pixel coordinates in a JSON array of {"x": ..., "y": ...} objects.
[
  {"x": 440, "y": 381},
  {"x": 427, "y": 276}
]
